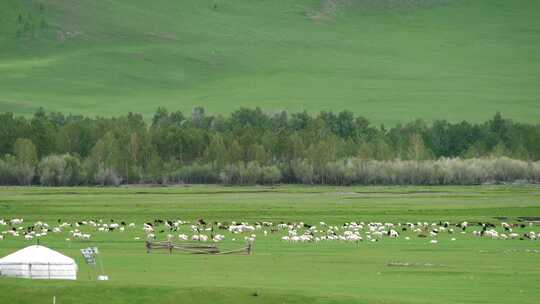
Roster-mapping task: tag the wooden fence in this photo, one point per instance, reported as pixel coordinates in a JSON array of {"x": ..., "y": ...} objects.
[{"x": 195, "y": 248}]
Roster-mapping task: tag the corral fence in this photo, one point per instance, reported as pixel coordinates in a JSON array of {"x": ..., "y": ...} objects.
[{"x": 195, "y": 248}]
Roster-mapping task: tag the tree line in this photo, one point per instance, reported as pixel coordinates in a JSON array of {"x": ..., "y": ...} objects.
[{"x": 250, "y": 146}]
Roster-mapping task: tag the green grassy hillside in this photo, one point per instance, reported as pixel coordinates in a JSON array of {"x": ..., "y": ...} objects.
[{"x": 390, "y": 60}]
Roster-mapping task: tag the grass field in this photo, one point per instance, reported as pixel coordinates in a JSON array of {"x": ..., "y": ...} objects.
[
  {"x": 390, "y": 60},
  {"x": 468, "y": 270}
]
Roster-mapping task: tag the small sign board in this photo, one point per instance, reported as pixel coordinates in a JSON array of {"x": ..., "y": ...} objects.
[{"x": 89, "y": 255}]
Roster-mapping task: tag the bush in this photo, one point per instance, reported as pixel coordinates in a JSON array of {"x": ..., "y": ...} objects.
[
  {"x": 303, "y": 171},
  {"x": 13, "y": 172},
  {"x": 195, "y": 174},
  {"x": 233, "y": 174},
  {"x": 60, "y": 170},
  {"x": 107, "y": 177},
  {"x": 252, "y": 173},
  {"x": 270, "y": 175}
]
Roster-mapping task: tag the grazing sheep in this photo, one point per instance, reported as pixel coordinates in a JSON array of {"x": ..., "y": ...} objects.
[
  {"x": 218, "y": 238},
  {"x": 393, "y": 234},
  {"x": 513, "y": 235},
  {"x": 506, "y": 227},
  {"x": 148, "y": 228},
  {"x": 16, "y": 221},
  {"x": 531, "y": 235},
  {"x": 201, "y": 222},
  {"x": 199, "y": 237}
]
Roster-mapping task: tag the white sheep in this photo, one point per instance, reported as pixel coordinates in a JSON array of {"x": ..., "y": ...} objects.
[
  {"x": 218, "y": 238},
  {"x": 16, "y": 221}
]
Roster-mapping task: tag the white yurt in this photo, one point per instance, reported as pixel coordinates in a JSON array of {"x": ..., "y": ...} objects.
[{"x": 38, "y": 262}]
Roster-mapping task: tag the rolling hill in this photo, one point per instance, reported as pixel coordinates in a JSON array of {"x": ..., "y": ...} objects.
[{"x": 389, "y": 60}]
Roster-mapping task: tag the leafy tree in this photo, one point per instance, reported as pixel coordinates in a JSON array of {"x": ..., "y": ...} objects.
[
  {"x": 216, "y": 152},
  {"x": 13, "y": 172},
  {"x": 12, "y": 128},
  {"x": 198, "y": 118},
  {"x": 417, "y": 150},
  {"x": 43, "y": 133},
  {"x": 154, "y": 168},
  {"x": 252, "y": 146},
  {"x": 25, "y": 152},
  {"x": 234, "y": 152},
  {"x": 270, "y": 175}
]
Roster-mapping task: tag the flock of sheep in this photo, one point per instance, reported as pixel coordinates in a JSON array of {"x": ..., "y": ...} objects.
[{"x": 293, "y": 232}]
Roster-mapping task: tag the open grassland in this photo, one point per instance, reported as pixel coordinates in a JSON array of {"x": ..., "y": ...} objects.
[
  {"x": 390, "y": 60},
  {"x": 468, "y": 270}
]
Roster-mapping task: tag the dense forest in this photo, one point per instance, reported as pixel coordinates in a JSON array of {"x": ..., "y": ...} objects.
[{"x": 250, "y": 146}]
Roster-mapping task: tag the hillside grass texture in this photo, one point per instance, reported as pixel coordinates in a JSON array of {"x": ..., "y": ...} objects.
[{"x": 389, "y": 60}]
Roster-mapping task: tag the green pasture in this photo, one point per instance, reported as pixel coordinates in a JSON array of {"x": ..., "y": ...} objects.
[
  {"x": 391, "y": 61},
  {"x": 468, "y": 270}
]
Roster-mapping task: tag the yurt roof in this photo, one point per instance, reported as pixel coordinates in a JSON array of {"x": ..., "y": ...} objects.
[{"x": 36, "y": 254}]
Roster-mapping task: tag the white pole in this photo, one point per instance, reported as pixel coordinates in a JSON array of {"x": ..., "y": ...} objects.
[
  {"x": 54, "y": 300},
  {"x": 101, "y": 264}
]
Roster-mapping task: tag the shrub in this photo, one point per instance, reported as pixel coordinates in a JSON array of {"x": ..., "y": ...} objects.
[{"x": 60, "y": 170}]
